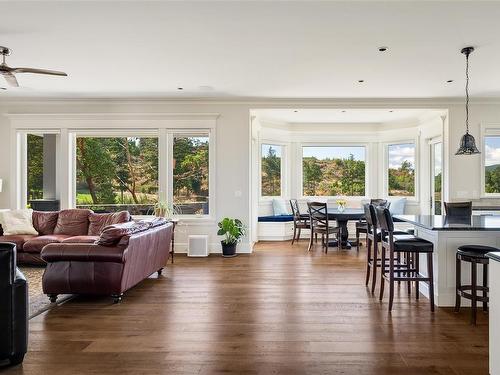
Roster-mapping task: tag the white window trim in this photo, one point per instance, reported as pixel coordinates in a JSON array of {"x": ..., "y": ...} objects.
[
  {"x": 300, "y": 152},
  {"x": 283, "y": 170},
  {"x": 487, "y": 130},
  {"x": 416, "y": 197},
  {"x": 90, "y": 124}
]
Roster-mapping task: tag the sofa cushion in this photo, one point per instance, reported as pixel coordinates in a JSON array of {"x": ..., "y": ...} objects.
[
  {"x": 81, "y": 239},
  {"x": 36, "y": 244},
  {"x": 17, "y": 222},
  {"x": 112, "y": 234},
  {"x": 97, "y": 222},
  {"x": 18, "y": 239},
  {"x": 74, "y": 222},
  {"x": 45, "y": 221}
]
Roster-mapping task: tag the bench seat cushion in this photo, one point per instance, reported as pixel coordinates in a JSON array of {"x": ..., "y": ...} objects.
[{"x": 275, "y": 219}]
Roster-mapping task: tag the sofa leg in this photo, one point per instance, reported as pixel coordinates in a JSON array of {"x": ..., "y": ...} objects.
[
  {"x": 160, "y": 271},
  {"x": 117, "y": 298},
  {"x": 52, "y": 298},
  {"x": 16, "y": 359}
]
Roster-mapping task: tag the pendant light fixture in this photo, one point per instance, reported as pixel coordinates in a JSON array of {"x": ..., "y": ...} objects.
[{"x": 468, "y": 143}]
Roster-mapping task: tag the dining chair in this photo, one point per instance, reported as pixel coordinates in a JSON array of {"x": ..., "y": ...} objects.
[
  {"x": 361, "y": 225},
  {"x": 299, "y": 221},
  {"x": 318, "y": 217},
  {"x": 458, "y": 208}
]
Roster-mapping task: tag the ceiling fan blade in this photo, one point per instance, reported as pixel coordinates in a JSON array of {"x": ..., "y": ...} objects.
[
  {"x": 11, "y": 79},
  {"x": 39, "y": 71}
]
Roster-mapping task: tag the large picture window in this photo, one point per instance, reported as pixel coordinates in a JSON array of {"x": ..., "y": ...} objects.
[
  {"x": 333, "y": 171},
  {"x": 117, "y": 173},
  {"x": 41, "y": 171},
  {"x": 401, "y": 169},
  {"x": 270, "y": 170},
  {"x": 191, "y": 174},
  {"x": 492, "y": 164}
]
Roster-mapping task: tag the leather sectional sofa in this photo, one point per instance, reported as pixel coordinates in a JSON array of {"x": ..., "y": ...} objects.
[
  {"x": 122, "y": 256},
  {"x": 66, "y": 226}
]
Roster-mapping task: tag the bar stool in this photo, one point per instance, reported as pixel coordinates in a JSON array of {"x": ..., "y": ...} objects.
[
  {"x": 373, "y": 237},
  {"x": 411, "y": 247},
  {"x": 474, "y": 254},
  {"x": 361, "y": 225}
]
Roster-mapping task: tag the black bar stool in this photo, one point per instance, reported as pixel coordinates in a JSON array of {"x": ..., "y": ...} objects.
[
  {"x": 411, "y": 247},
  {"x": 474, "y": 254}
]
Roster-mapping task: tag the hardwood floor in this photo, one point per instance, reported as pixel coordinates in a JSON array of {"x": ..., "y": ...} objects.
[{"x": 280, "y": 310}]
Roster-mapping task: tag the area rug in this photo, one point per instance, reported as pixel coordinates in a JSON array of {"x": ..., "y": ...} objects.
[{"x": 38, "y": 301}]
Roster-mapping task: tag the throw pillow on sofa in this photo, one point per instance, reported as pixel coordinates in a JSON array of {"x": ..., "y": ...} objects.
[
  {"x": 73, "y": 222},
  {"x": 397, "y": 206},
  {"x": 17, "y": 222}
]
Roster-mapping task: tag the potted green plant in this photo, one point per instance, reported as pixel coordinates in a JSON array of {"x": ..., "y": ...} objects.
[
  {"x": 164, "y": 209},
  {"x": 232, "y": 230}
]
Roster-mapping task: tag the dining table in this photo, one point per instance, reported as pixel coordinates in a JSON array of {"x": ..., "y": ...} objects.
[{"x": 342, "y": 217}]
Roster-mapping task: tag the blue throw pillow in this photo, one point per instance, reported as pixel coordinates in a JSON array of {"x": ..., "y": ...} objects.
[
  {"x": 397, "y": 206},
  {"x": 279, "y": 207}
]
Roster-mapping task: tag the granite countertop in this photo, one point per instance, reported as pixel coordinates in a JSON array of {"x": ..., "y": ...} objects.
[
  {"x": 494, "y": 256},
  {"x": 442, "y": 222},
  {"x": 485, "y": 208}
]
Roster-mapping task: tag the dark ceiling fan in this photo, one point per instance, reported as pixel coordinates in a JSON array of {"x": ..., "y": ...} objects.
[{"x": 9, "y": 73}]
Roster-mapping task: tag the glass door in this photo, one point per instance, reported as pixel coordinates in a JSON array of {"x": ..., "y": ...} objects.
[{"x": 436, "y": 177}]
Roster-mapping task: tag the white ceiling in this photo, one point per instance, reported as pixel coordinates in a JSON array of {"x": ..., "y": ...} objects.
[
  {"x": 253, "y": 49},
  {"x": 347, "y": 116}
]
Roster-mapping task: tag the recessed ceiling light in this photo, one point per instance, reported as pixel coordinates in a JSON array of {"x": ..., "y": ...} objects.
[
  {"x": 3, "y": 88},
  {"x": 344, "y": 111},
  {"x": 295, "y": 111},
  {"x": 449, "y": 81},
  {"x": 361, "y": 80},
  {"x": 180, "y": 88},
  {"x": 391, "y": 111},
  {"x": 383, "y": 49}
]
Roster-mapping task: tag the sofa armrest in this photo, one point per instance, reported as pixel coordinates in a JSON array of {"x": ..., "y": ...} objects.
[{"x": 83, "y": 252}]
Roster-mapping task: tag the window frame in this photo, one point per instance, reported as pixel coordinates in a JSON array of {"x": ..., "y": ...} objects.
[
  {"x": 386, "y": 145},
  {"x": 487, "y": 130},
  {"x": 283, "y": 169},
  {"x": 366, "y": 147}
]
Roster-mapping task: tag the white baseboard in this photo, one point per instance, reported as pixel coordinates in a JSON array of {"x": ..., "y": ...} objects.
[{"x": 215, "y": 248}]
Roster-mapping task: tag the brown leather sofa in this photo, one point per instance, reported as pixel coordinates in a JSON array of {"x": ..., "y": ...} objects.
[
  {"x": 66, "y": 226},
  {"x": 123, "y": 255}
]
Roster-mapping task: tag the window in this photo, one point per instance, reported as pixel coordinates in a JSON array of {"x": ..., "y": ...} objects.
[
  {"x": 492, "y": 164},
  {"x": 191, "y": 174},
  {"x": 333, "y": 171},
  {"x": 117, "y": 173},
  {"x": 41, "y": 158},
  {"x": 401, "y": 169},
  {"x": 270, "y": 170}
]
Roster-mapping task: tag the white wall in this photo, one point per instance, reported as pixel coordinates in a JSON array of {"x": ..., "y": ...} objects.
[{"x": 233, "y": 141}]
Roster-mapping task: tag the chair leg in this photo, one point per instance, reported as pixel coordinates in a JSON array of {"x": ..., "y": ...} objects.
[
  {"x": 298, "y": 235},
  {"x": 473, "y": 293},
  {"x": 374, "y": 267},
  {"x": 458, "y": 283},
  {"x": 368, "y": 260},
  {"x": 409, "y": 264},
  {"x": 326, "y": 242},
  {"x": 294, "y": 233},
  {"x": 430, "y": 275},
  {"x": 316, "y": 237},
  {"x": 391, "y": 279},
  {"x": 311, "y": 238},
  {"x": 357, "y": 240},
  {"x": 339, "y": 241},
  {"x": 382, "y": 272},
  {"x": 485, "y": 285},
  {"x": 417, "y": 273}
]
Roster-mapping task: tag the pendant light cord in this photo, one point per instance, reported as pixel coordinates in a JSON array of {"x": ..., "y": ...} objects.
[{"x": 467, "y": 92}]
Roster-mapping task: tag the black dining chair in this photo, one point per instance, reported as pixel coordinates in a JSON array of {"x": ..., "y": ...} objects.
[
  {"x": 318, "y": 217},
  {"x": 299, "y": 221},
  {"x": 458, "y": 208},
  {"x": 361, "y": 225}
]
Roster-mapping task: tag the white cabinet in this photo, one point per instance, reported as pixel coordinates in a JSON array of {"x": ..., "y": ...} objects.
[{"x": 494, "y": 315}]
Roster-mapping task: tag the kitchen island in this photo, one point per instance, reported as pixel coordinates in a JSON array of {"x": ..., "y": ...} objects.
[{"x": 447, "y": 234}]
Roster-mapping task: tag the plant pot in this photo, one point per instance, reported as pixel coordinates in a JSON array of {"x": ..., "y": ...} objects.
[{"x": 228, "y": 250}]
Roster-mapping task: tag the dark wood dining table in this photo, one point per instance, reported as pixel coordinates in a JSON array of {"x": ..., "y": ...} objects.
[{"x": 342, "y": 217}]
